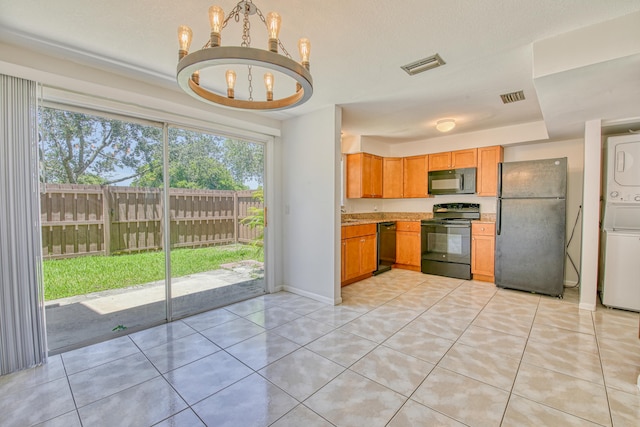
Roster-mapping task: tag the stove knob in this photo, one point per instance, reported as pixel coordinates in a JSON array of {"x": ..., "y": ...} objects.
[
  {"x": 614, "y": 194},
  {"x": 637, "y": 198}
]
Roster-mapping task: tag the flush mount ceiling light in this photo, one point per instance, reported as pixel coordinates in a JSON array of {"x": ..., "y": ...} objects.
[
  {"x": 445, "y": 125},
  {"x": 213, "y": 55}
]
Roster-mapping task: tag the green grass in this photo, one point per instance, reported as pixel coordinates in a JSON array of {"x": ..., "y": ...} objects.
[{"x": 83, "y": 275}]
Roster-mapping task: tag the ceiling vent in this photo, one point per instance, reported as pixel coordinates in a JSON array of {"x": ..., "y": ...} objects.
[
  {"x": 424, "y": 64},
  {"x": 508, "y": 98}
]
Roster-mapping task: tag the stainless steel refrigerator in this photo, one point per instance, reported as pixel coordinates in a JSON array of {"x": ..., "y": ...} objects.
[{"x": 530, "y": 226}]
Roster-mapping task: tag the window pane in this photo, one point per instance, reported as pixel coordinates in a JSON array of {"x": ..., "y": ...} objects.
[
  {"x": 104, "y": 265},
  {"x": 216, "y": 208}
]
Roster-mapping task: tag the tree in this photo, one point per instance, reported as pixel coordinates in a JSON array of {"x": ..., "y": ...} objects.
[
  {"x": 202, "y": 160},
  {"x": 80, "y": 148},
  {"x": 195, "y": 161},
  {"x": 255, "y": 219},
  {"x": 245, "y": 160}
]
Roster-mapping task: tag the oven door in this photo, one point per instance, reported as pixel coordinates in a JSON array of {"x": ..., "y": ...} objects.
[{"x": 446, "y": 242}]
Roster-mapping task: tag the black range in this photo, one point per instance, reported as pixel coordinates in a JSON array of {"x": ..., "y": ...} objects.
[{"x": 446, "y": 240}]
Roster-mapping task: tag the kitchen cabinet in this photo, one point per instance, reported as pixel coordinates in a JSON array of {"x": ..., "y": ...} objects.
[
  {"x": 358, "y": 255},
  {"x": 408, "y": 245},
  {"x": 483, "y": 245},
  {"x": 392, "y": 177},
  {"x": 414, "y": 182},
  {"x": 487, "y": 176},
  {"x": 454, "y": 159},
  {"x": 364, "y": 175}
]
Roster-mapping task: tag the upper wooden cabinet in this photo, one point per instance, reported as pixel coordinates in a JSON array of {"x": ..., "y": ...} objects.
[
  {"x": 415, "y": 170},
  {"x": 370, "y": 176},
  {"x": 392, "y": 171},
  {"x": 487, "y": 177},
  {"x": 364, "y": 175},
  {"x": 453, "y": 159},
  {"x": 464, "y": 158}
]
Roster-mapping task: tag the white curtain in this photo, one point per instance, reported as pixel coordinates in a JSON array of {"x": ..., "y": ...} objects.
[{"x": 22, "y": 333}]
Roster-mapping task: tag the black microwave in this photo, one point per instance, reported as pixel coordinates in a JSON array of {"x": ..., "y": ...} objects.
[{"x": 453, "y": 181}]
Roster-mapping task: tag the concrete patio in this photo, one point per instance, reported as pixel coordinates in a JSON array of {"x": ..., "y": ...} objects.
[{"x": 85, "y": 319}]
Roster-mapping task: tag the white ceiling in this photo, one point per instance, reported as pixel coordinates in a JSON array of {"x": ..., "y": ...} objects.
[{"x": 358, "y": 47}]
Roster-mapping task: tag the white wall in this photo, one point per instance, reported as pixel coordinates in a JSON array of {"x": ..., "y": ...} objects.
[
  {"x": 591, "y": 221},
  {"x": 311, "y": 204}
]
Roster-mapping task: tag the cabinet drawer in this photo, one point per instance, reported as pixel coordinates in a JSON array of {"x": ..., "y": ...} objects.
[
  {"x": 349, "y": 231},
  {"x": 408, "y": 226},
  {"x": 483, "y": 228}
]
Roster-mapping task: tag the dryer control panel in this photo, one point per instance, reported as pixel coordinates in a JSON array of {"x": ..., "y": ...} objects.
[{"x": 622, "y": 169}]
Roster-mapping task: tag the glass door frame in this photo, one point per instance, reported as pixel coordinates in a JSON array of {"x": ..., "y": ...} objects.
[{"x": 70, "y": 101}]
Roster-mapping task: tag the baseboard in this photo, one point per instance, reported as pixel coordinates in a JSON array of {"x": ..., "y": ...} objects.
[
  {"x": 570, "y": 283},
  {"x": 585, "y": 306},
  {"x": 312, "y": 295},
  {"x": 483, "y": 278}
]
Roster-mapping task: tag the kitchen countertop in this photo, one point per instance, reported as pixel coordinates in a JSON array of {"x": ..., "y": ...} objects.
[{"x": 376, "y": 217}]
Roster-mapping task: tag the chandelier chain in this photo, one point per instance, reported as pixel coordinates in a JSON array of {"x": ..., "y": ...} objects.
[
  {"x": 250, "y": 78},
  {"x": 246, "y": 42}
]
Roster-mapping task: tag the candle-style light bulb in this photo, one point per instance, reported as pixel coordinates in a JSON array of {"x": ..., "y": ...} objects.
[
  {"x": 231, "y": 83},
  {"x": 184, "y": 41},
  {"x": 268, "y": 83},
  {"x": 273, "y": 28},
  {"x": 304, "y": 47},
  {"x": 216, "y": 20}
]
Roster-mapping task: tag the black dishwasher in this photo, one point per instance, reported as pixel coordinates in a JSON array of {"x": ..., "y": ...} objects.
[{"x": 386, "y": 246}]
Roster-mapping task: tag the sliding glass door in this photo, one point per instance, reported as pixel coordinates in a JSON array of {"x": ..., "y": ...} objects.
[
  {"x": 102, "y": 226},
  {"x": 107, "y": 221},
  {"x": 216, "y": 220}
]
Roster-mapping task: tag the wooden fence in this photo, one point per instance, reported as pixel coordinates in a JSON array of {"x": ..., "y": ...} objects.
[{"x": 82, "y": 220}]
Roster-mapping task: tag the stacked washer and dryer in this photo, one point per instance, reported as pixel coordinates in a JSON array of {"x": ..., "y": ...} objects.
[{"x": 620, "y": 230}]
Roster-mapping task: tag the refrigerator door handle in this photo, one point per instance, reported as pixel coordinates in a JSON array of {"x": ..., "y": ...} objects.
[
  {"x": 499, "y": 218},
  {"x": 499, "y": 179}
]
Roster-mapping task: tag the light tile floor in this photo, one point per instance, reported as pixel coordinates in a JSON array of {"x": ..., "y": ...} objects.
[{"x": 404, "y": 349}]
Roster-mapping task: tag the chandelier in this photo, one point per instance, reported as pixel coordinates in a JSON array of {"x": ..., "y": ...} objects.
[{"x": 213, "y": 58}]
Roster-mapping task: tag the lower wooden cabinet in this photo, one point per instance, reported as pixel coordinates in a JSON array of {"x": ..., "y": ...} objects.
[
  {"x": 483, "y": 245},
  {"x": 358, "y": 255},
  {"x": 408, "y": 245}
]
